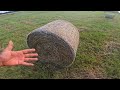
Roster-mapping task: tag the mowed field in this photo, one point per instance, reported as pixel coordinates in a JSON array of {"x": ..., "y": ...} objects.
[{"x": 98, "y": 54}]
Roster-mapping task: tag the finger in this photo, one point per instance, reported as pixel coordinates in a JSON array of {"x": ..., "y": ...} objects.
[
  {"x": 27, "y": 64},
  {"x": 30, "y": 59},
  {"x": 10, "y": 46},
  {"x": 28, "y": 50},
  {"x": 31, "y": 55}
]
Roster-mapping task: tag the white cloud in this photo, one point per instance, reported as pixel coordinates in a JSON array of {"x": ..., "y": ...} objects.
[{"x": 3, "y": 11}]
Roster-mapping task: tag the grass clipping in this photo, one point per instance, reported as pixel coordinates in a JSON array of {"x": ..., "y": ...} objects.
[{"x": 56, "y": 43}]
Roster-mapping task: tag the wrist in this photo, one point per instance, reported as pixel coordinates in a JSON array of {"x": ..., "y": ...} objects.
[
  {"x": 1, "y": 64},
  {"x": 0, "y": 58}
]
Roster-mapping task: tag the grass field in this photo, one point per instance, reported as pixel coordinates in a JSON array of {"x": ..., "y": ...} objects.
[{"x": 98, "y": 54}]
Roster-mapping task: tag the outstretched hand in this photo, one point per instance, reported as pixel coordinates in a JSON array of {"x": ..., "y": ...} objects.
[{"x": 11, "y": 58}]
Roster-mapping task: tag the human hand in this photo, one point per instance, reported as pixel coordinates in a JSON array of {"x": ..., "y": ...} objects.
[{"x": 12, "y": 58}]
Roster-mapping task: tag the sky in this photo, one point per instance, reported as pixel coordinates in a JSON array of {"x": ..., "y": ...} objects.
[{"x": 3, "y": 11}]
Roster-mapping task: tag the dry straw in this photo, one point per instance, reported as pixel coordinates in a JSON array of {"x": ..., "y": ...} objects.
[{"x": 56, "y": 43}]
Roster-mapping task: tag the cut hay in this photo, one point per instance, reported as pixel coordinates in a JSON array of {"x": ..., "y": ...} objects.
[{"x": 56, "y": 43}]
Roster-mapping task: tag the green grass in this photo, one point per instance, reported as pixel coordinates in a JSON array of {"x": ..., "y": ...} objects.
[{"x": 98, "y": 54}]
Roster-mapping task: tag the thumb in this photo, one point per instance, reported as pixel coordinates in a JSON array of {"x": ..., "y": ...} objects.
[{"x": 10, "y": 46}]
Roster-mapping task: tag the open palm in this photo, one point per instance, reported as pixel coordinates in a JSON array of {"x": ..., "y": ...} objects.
[{"x": 11, "y": 58}]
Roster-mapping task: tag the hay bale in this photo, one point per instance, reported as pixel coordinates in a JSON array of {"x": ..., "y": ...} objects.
[
  {"x": 109, "y": 16},
  {"x": 56, "y": 43}
]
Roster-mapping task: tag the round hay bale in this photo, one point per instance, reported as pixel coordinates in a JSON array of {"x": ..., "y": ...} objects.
[
  {"x": 56, "y": 43},
  {"x": 109, "y": 16}
]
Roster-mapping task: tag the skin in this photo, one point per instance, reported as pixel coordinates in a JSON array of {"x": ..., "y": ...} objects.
[{"x": 13, "y": 58}]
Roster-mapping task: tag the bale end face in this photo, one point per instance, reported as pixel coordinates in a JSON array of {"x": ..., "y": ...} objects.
[{"x": 53, "y": 51}]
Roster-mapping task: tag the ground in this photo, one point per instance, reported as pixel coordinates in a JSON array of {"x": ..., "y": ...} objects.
[{"x": 98, "y": 54}]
